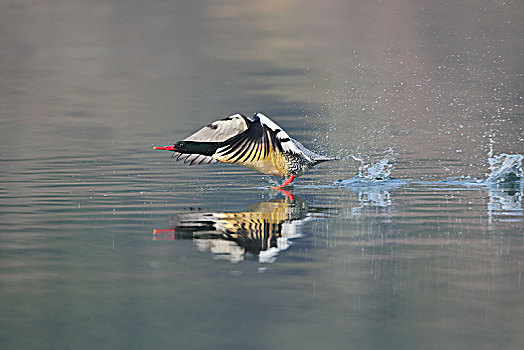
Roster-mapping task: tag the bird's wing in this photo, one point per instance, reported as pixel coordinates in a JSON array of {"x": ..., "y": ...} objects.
[
  {"x": 287, "y": 143},
  {"x": 261, "y": 138},
  {"x": 217, "y": 131},
  {"x": 221, "y": 130},
  {"x": 193, "y": 159}
]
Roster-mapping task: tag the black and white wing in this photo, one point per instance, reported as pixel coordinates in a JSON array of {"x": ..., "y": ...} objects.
[
  {"x": 218, "y": 131},
  {"x": 260, "y": 140},
  {"x": 221, "y": 130}
]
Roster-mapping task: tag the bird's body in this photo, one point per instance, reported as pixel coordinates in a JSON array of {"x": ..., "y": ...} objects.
[{"x": 257, "y": 144}]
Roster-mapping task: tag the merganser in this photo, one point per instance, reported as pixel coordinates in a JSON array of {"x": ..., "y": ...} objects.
[{"x": 256, "y": 143}]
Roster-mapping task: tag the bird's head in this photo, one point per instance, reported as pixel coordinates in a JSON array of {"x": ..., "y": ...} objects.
[{"x": 179, "y": 146}]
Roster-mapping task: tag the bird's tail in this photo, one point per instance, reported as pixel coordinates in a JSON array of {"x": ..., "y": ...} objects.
[
  {"x": 321, "y": 159},
  {"x": 318, "y": 158}
]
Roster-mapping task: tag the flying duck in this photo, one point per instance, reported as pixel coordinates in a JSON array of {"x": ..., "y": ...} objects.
[{"x": 256, "y": 143}]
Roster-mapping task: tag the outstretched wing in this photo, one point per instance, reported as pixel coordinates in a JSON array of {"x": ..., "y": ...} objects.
[
  {"x": 193, "y": 159},
  {"x": 261, "y": 139},
  {"x": 217, "y": 131},
  {"x": 221, "y": 130}
]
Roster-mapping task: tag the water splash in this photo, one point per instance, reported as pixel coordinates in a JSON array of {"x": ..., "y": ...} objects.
[
  {"x": 505, "y": 182},
  {"x": 373, "y": 174},
  {"x": 505, "y": 169},
  {"x": 373, "y": 182}
]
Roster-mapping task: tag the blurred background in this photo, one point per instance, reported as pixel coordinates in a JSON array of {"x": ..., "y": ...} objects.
[{"x": 88, "y": 87}]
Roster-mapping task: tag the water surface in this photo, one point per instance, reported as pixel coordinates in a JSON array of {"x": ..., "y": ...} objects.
[{"x": 415, "y": 239}]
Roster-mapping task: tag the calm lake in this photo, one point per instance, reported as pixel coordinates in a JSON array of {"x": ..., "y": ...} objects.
[{"x": 413, "y": 240}]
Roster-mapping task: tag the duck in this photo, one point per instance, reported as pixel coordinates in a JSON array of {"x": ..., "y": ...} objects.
[
  {"x": 263, "y": 230},
  {"x": 256, "y": 143}
]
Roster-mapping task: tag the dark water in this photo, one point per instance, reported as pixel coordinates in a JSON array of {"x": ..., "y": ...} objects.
[{"x": 107, "y": 244}]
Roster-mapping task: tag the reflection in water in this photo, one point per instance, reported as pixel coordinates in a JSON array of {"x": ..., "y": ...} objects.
[
  {"x": 264, "y": 230},
  {"x": 373, "y": 197},
  {"x": 506, "y": 202}
]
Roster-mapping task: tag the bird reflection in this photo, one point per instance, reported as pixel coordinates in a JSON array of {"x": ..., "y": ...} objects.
[{"x": 262, "y": 231}]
